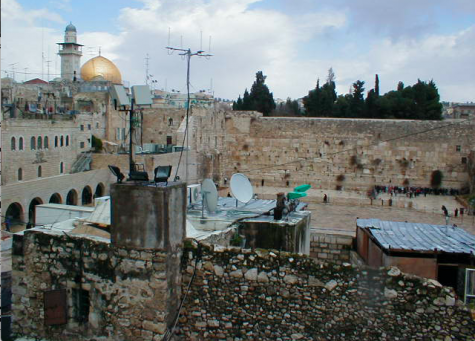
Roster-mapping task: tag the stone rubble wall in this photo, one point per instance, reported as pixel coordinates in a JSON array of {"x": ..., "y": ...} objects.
[
  {"x": 266, "y": 295},
  {"x": 128, "y": 289},
  {"x": 330, "y": 247}
]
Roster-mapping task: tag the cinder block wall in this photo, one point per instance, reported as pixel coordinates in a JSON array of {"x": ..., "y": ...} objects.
[{"x": 330, "y": 247}]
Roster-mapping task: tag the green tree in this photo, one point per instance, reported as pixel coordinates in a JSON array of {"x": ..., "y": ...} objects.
[
  {"x": 357, "y": 104},
  {"x": 312, "y": 101},
  {"x": 246, "y": 101},
  {"x": 261, "y": 98},
  {"x": 289, "y": 108},
  {"x": 320, "y": 101},
  {"x": 342, "y": 106},
  {"x": 376, "y": 85},
  {"x": 237, "y": 105}
]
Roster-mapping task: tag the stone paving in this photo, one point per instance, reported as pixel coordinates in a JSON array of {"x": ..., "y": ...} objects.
[{"x": 345, "y": 207}]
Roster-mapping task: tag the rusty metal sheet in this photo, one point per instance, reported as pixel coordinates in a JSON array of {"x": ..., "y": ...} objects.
[{"x": 55, "y": 307}]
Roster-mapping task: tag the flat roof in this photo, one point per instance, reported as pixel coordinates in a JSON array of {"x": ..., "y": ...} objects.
[
  {"x": 67, "y": 207},
  {"x": 404, "y": 236}
]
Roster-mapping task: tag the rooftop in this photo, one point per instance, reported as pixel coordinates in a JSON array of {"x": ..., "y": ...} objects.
[{"x": 404, "y": 236}]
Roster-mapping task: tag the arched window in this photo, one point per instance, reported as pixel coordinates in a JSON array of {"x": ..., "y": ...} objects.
[
  {"x": 33, "y": 143},
  {"x": 55, "y": 141},
  {"x": 40, "y": 143},
  {"x": 20, "y": 143},
  {"x": 20, "y": 174},
  {"x": 61, "y": 141},
  {"x": 61, "y": 168},
  {"x": 39, "y": 171},
  {"x": 46, "y": 142},
  {"x": 170, "y": 121},
  {"x": 13, "y": 143},
  {"x": 67, "y": 140}
]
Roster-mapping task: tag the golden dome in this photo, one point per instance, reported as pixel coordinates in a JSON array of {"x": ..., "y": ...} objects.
[{"x": 100, "y": 68}]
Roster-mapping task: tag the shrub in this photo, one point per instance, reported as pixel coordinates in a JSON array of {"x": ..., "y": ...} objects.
[{"x": 96, "y": 143}]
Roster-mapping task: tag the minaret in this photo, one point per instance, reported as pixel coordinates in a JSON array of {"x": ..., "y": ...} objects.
[{"x": 70, "y": 53}]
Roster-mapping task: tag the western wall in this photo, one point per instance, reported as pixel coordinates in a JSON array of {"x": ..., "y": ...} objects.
[{"x": 347, "y": 154}]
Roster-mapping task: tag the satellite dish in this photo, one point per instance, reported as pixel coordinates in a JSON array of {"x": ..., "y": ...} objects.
[
  {"x": 210, "y": 194},
  {"x": 241, "y": 187}
]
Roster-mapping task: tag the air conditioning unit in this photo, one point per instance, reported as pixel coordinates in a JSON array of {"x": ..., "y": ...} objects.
[{"x": 194, "y": 193}]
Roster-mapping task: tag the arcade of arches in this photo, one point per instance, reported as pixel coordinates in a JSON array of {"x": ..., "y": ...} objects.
[{"x": 15, "y": 213}]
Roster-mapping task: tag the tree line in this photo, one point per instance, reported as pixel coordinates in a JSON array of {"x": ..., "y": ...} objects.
[{"x": 420, "y": 101}]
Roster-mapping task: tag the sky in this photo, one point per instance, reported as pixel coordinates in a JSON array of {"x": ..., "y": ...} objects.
[{"x": 293, "y": 42}]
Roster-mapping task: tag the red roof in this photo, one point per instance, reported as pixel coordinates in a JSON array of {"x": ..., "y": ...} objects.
[{"x": 35, "y": 81}]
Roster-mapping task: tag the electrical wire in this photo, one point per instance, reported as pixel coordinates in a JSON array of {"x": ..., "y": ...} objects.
[{"x": 169, "y": 334}]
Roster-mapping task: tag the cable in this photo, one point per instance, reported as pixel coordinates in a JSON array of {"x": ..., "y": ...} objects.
[{"x": 168, "y": 335}]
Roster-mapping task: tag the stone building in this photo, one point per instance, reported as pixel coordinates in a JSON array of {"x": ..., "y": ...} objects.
[{"x": 44, "y": 161}]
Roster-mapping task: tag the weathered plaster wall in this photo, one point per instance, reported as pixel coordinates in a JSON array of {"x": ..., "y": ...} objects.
[
  {"x": 241, "y": 295},
  {"x": 129, "y": 290}
]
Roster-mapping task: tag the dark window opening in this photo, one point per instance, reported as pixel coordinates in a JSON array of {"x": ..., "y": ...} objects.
[
  {"x": 288, "y": 183},
  {"x": 447, "y": 275},
  {"x": 262, "y": 182},
  {"x": 458, "y": 148},
  {"x": 464, "y": 161},
  {"x": 81, "y": 305}
]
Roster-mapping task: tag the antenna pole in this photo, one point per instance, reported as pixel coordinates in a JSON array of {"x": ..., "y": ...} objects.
[
  {"x": 188, "y": 54},
  {"x": 131, "y": 132},
  {"x": 146, "y": 68},
  {"x": 48, "y": 62}
]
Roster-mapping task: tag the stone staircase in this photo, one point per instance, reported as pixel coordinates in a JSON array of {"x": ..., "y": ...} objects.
[{"x": 83, "y": 163}]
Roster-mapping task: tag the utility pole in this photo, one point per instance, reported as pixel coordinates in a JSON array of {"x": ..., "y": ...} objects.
[
  {"x": 147, "y": 58},
  {"x": 48, "y": 62},
  {"x": 187, "y": 53},
  {"x": 13, "y": 70}
]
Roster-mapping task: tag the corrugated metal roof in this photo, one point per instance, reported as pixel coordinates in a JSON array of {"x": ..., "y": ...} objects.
[{"x": 419, "y": 237}]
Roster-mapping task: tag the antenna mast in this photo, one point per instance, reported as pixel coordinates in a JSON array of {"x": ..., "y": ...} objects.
[
  {"x": 187, "y": 54},
  {"x": 147, "y": 58}
]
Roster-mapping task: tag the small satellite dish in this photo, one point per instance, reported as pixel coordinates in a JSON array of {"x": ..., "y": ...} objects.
[
  {"x": 210, "y": 194},
  {"x": 241, "y": 188}
]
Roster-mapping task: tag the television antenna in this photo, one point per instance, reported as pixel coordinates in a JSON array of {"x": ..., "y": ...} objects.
[{"x": 187, "y": 54}]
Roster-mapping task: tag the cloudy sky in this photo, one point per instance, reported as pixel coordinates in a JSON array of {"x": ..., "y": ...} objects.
[{"x": 294, "y": 42}]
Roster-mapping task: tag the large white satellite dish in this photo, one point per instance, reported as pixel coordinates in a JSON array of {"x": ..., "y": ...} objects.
[
  {"x": 241, "y": 188},
  {"x": 210, "y": 194}
]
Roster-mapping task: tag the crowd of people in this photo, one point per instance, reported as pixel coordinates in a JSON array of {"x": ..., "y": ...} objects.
[{"x": 411, "y": 192}]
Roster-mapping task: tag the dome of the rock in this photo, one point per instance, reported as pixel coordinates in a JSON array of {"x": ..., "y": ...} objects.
[{"x": 100, "y": 68}]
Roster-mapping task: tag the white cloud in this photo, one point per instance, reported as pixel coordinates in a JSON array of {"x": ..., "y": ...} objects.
[
  {"x": 25, "y": 43},
  {"x": 292, "y": 46}
]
